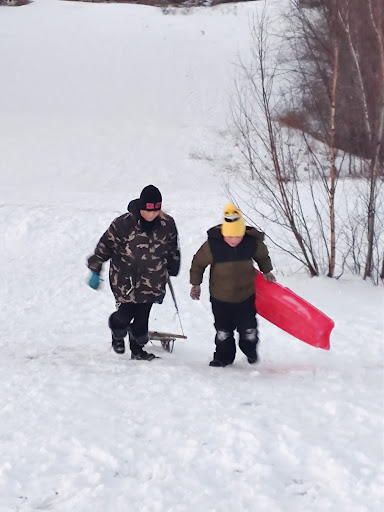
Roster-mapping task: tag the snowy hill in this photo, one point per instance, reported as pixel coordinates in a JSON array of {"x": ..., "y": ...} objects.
[{"x": 97, "y": 101}]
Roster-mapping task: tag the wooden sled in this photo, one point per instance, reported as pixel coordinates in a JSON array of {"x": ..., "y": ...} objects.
[{"x": 167, "y": 339}]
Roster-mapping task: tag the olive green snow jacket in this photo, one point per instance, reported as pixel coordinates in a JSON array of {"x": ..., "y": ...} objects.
[{"x": 232, "y": 273}]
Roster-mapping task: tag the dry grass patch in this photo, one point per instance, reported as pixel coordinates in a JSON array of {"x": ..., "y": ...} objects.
[
  {"x": 165, "y": 3},
  {"x": 14, "y": 3}
]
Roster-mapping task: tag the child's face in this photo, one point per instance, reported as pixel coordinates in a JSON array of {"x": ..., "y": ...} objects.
[
  {"x": 148, "y": 215},
  {"x": 233, "y": 241}
]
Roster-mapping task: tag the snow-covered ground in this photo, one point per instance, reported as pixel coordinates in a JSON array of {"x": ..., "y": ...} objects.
[{"x": 97, "y": 101}]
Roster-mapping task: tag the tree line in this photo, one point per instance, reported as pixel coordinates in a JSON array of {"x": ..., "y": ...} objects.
[{"x": 309, "y": 118}]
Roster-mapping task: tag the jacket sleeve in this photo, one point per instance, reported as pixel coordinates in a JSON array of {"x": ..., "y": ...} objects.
[
  {"x": 262, "y": 258},
  {"x": 173, "y": 261},
  {"x": 200, "y": 262},
  {"x": 105, "y": 248}
]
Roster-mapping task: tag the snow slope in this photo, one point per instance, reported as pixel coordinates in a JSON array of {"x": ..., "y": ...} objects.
[{"x": 97, "y": 101}]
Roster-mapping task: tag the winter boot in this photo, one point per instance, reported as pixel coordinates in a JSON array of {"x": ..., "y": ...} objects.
[
  {"x": 137, "y": 351},
  {"x": 142, "y": 355},
  {"x": 118, "y": 345},
  {"x": 248, "y": 344},
  {"x": 216, "y": 362},
  {"x": 253, "y": 358},
  {"x": 118, "y": 335}
]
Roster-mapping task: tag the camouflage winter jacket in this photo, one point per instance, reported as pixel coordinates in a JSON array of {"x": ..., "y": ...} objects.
[
  {"x": 140, "y": 259},
  {"x": 232, "y": 274}
]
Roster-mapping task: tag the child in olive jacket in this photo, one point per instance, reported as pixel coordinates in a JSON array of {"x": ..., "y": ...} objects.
[{"x": 230, "y": 251}]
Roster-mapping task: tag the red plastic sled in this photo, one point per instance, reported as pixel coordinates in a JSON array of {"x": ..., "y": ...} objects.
[{"x": 292, "y": 314}]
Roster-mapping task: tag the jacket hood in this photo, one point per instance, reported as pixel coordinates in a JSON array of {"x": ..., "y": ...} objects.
[
  {"x": 215, "y": 232},
  {"x": 133, "y": 207}
]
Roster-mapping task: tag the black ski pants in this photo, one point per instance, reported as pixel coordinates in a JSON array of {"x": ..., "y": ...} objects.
[
  {"x": 133, "y": 319},
  {"x": 228, "y": 317}
]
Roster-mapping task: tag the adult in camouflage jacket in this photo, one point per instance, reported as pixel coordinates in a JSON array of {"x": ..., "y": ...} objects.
[
  {"x": 142, "y": 246},
  {"x": 230, "y": 251}
]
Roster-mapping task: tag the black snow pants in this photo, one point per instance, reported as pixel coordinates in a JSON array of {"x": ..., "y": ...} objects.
[
  {"x": 228, "y": 317},
  {"x": 133, "y": 319}
]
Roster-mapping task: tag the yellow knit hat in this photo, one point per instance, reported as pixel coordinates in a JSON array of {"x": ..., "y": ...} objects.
[{"x": 233, "y": 224}]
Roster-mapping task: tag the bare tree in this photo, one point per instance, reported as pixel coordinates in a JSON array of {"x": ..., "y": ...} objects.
[
  {"x": 295, "y": 200},
  {"x": 376, "y": 19},
  {"x": 316, "y": 44},
  {"x": 373, "y": 120},
  {"x": 359, "y": 124},
  {"x": 333, "y": 177},
  {"x": 293, "y": 176}
]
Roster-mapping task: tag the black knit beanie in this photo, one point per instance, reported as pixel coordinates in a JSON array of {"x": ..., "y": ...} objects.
[{"x": 150, "y": 198}]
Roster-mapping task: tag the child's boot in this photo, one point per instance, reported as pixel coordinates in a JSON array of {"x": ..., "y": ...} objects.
[
  {"x": 118, "y": 335},
  {"x": 137, "y": 351},
  {"x": 118, "y": 345},
  {"x": 253, "y": 359},
  {"x": 216, "y": 362},
  {"x": 142, "y": 355}
]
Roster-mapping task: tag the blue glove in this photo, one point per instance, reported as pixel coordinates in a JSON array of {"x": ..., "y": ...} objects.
[{"x": 94, "y": 280}]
